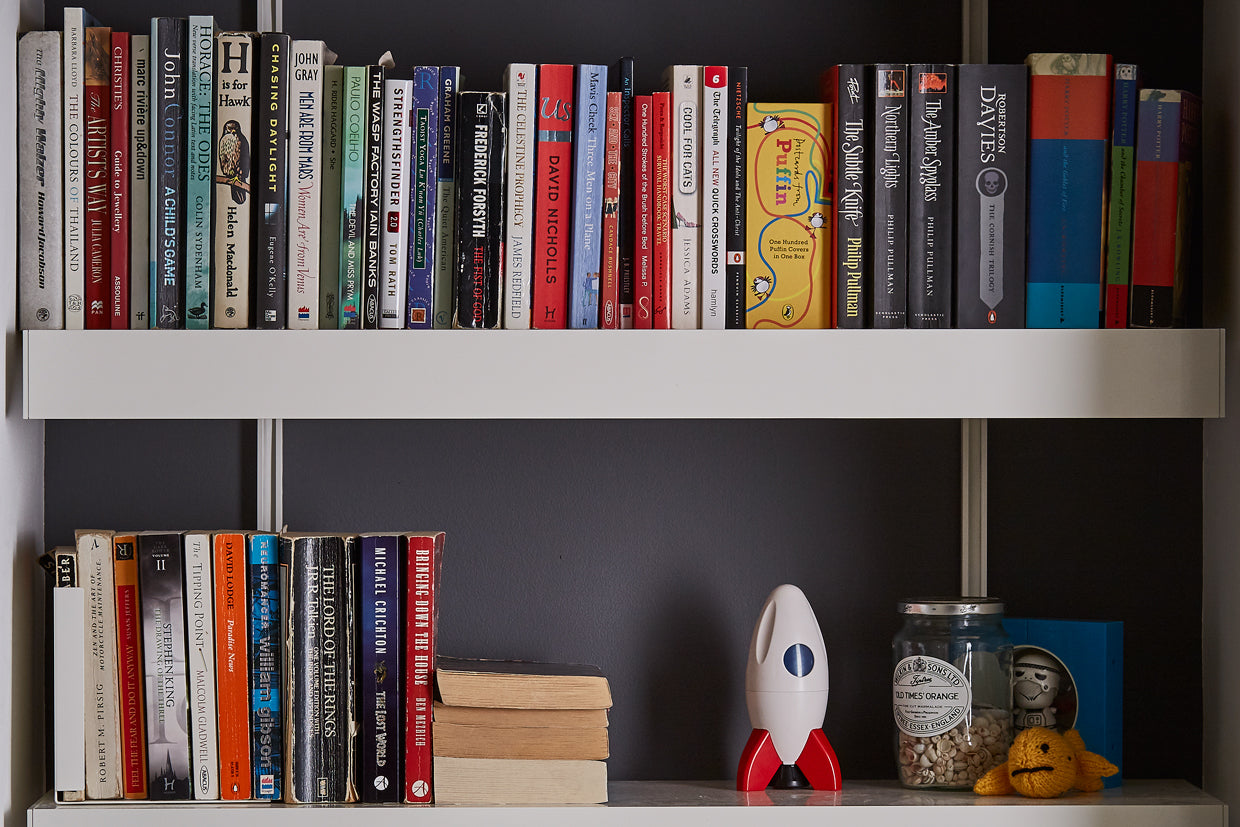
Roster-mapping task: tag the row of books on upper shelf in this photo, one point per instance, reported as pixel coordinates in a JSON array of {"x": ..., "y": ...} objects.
[
  {"x": 296, "y": 667},
  {"x": 196, "y": 178}
]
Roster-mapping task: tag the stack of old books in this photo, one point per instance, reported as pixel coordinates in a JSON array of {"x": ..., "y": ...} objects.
[{"x": 518, "y": 732}]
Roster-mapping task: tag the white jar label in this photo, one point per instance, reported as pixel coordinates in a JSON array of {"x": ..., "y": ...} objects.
[{"x": 929, "y": 696}]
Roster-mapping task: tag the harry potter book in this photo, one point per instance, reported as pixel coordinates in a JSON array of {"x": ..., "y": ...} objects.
[{"x": 1124, "y": 95}]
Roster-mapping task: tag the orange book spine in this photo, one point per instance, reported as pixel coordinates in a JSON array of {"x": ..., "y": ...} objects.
[
  {"x": 232, "y": 666},
  {"x": 129, "y": 664}
]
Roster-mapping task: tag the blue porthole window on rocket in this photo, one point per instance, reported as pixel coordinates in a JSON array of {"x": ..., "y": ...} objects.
[{"x": 799, "y": 660}]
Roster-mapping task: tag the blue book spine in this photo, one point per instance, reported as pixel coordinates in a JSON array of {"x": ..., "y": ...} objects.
[
  {"x": 423, "y": 197},
  {"x": 445, "y": 215},
  {"x": 588, "y": 145},
  {"x": 199, "y": 164},
  {"x": 380, "y": 674},
  {"x": 267, "y": 731}
]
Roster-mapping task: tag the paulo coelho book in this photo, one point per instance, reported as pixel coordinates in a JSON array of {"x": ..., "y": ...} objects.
[{"x": 788, "y": 214}]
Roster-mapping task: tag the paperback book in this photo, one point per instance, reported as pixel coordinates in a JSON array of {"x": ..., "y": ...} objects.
[
  {"x": 140, "y": 176},
  {"x": 97, "y": 212},
  {"x": 479, "y": 209},
  {"x": 272, "y": 238},
  {"x": 932, "y": 203},
  {"x": 445, "y": 197},
  {"x": 737, "y": 184},
  {"x": 40, "y": 190},
  {"x": 103, "y": 720},
  {"x": 118, "y": 185},
  {"x": 588, "y": 149},
  {"x": 352, "y": 196},
  {"x": 234, "y": 190},
  {"x": 423, "y": 566},
  {"x": 266, "y": 672},
  {"x": 129, "y": 665},
  {"x": 167, "y": 292},
  {"x": 609, "y": 277},
  {"x": 846, "y": 93},
  {"x": 661, "y": 259},
  {"x": 306, "y": 181},
  {"x": 622, "y": 81},
  {"x": 232, "y": 634},
  {"x": 423, "y": 198},
  {"x": 1124, "y": 92},
  {"x": 552, "y": 201},
  {"x": 381, "y": 704},
  {"x": 200, "y": 665},
  {"x": 73, "y": 44},
  {"x": 643, "y": 209},
  {"x": 889, "y": 218},
  {"x": 520, "y": 84},
  {"x": 376, "y": 77},
  {"x": 684, "y": 82},
  {"x": 199, "y": 170},
  {"x": 329, "y": 209},
  {"x": 714, "y": 196},
  {"x": 397, "y": 146}
]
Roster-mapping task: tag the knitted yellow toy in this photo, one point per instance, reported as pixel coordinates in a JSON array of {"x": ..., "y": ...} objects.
[{"x": 1043, "y": 764}]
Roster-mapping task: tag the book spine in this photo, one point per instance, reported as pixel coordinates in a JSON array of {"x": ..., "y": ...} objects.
[
  {"x": 424, "y": 559},
  {"x": 380, "y": 674},
  {"x": 609, "y": 278},
  {"x": 520, "y": 84},
  {"x": 200, "y": 663},
  {"x": 302, "y": 561},
  {"x": 931, "y": 209},
  {"x": 990, "y": 195},
  {"x": 140, "y": 183},
  {"x": 423, "y": 195},
  {"x": 40, "y": 171},
  {"x": 625, "y": 84},
  {"x": 397, "y": 140},
  {"x": 479, "y": 209},
  {"x": 163, "y": 645},
  {"x": 852, "y": 209},
  {"x": 234, "y": 179},
  {"x": 68, "y": 677},
  {"x": 372, "y": 239},
  {"x": 73, "y": 45},
  {"x": 1069, "y": 108},
  {"x": 714, "y": 196},
  {"x": 889, "y": 183},
  {"x": 352, "y": 196},
  {"x": 272, "y": 238},
  {"x": 199, "y": 170},
  {"x": 588, "y": 142},
  {"x": 445, "y": 196},
  {"x": 1119, "y": 220},
  {"x": 738, "y": 104},
  {"x": 129, "y": 665},
  {"x": 661, "y": 153},
  {"x": 118, "y": 187},
  {"x": 552, "y": 196},
  {"x": 643, "y": 209},
  {"x": 305, "y": 182},
  {"x": 266, "y": 727},
  {"x": 104, "y": 769},
  {"x": 97, "y": 214},
  {"x": 232, "y": 665},
  {"x": 684, "y": 82},
  {"x": 168, "y": 38},
  {"x": 329, "y": 208}
]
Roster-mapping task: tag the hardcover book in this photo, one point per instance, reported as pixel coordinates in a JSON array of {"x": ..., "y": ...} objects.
[
  {"x": 103, "y": 720},
  {"x": 329, "y": 208},
  {"x": 266, "y": 671},
  {"x": 788, "y": 216},
  {"x": 306, "y": 180},
  {"x": 932, "y": 203},
  {"x": 889, "y": 218},
  {"x": 73, "y": 44},
  {"x": 1069, "y": 129},
  {"x": 661, "y": 259},
  {"x": 553, "y": 200},
  {"x": 621, "y": 80},
  {"x": 484, "y": 781},
  {"x": 846, "y": 93},
  {"x": 232, "y": 664},
  {"x": 588, "y": 148},
  {"x": 496, "y": 716},
  {"x": 272, "y": 235},
  {"x": 737, "y": 184},
  {"x": 1168, "y": 143},
  {"x": 199, "y": 171},
  {"x": 423, "y": 195},
  {"x": 714, "y": 196},
  {"x": 643, "y": 209},
  {"x": 990, "y": 195},
  {"x": 479, "y": 209},
  {"x": 376, "y": 77},
  {"x": 397, "y": 146},
  {"x": 129, "y": 665},
  {"x": 538, "y": 743},
  {"x": 200, "y": 666},
  {"x": 518, "y": 684},
  {"x": 167, "y": 292},
  {"x": 1123, "y": 170},
  {"x": 140, "y": 176},
  {"x": 423, "y": 565},
  {"x": 520, "y": 84},
  {"x": 609, "y": 278},
  {"x": 97, "y": 212},
  {"x": 40, "y": 190},
  {"x": 234, "y": 195},
  {"x": 352, "y": 196},
  {"x": 161, "y": 585},
  {"x": 380, "y": 674},
  {"x": 684, "y": 82},
  {"x": 445, "y": 196},
  {"x": 118, "y": 185}
]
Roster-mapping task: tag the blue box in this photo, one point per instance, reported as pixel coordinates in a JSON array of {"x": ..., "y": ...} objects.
[{"x": 1092, "y": 654}]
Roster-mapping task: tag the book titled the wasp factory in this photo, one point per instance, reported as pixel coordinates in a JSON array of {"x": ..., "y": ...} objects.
[
  {"x": 372, "y": 238},
  {"x": 789, "y": 211},
  {"x": 480, "y": 131}
]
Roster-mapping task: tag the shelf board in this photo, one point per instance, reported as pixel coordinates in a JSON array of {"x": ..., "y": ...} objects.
[
  {"x": 702, "y": 804},
  {"x": 588, "y": 374}
]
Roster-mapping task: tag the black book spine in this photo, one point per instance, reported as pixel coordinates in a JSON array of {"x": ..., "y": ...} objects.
[
  {"x": 481, "y": 137},
  {"x": 624, "y": 83},
  {"x": 738, "y": 99},
  {"x": 373, "y": 226},
  {"x": 168, "y": 196},
  {"x": 380, "y": 679},
  {"x": 851, "y": 195},
  {"x": 889, "y": 216},
  {"x": 272, "y": 129},
  {"x": 300, "y": 559},
  {"x": 932, "y": 204}
]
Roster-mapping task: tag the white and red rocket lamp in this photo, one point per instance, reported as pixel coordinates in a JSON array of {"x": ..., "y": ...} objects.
[{"x": 786, "y": 687}]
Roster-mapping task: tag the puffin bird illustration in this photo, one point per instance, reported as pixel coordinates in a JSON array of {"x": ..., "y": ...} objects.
[{"x": 234, "y": 155}]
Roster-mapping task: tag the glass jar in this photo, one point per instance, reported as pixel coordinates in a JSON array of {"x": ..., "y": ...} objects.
[{"x": 951, "y": 691}]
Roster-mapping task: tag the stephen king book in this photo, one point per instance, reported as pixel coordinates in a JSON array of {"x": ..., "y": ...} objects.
[
  {"x": 932, "y": 203},
  {"x": 272, "y": 241},
  {"x": 553, "y": 196},
  {"x": 234, "y": 179},
  {"x": 479, "y": 209}
]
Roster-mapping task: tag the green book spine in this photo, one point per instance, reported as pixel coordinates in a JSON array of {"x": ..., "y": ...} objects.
[
  {"x": 352, "y": 195},
  {"x": 198, "y": 172},
  {"x": 329, "y": 272},
  {"x": 1123, "y": 171}
]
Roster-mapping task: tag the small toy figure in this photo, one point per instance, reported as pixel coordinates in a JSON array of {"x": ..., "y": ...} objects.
[
  {"x": 1035, "y": 683},
  {"x": 1043, "y": 764}
]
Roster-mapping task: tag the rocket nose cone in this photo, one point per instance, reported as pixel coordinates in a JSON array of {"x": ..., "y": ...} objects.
[{"x": 787, "y": 652}]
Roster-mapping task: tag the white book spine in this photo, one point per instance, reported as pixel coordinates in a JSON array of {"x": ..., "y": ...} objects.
[
  {"x": 140, "y": 182},
  {"x": 397, "y": 145},
  {"x": 305, "y": 182},
  {"x": 69, "y": 690},
  {"x": 200, "y": 665},
  {"x": 75, "y": 204},
  {"x": 103, "y": 717},
  {"x": 519, "y": 189},
  {"x": 233, "y": 197},
  {"x": 685, "y": 84},
  {"x": 40, "y": 175},
  {"x": 714, "y": 196}
]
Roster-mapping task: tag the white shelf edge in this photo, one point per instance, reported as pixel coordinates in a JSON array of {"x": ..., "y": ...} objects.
[{"x": 952, "y": 374}]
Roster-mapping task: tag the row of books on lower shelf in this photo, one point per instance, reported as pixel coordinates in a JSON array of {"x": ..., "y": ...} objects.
[{"x": 295, "y": 667}]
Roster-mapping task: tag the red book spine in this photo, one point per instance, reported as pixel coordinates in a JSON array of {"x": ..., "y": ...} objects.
[
  {"x": 232, "y": 674},
  {"x": 661, "y": 150},
  {"x": 553, "y": 196},
  {"x": 129, "y": 665},
  {"x": 609, "y": 290},
  {"x": 118, "y": 139},
  {"x": 423, "y": 561},
  {"x": 643, "y": 168},
  {"x": 96, "y": 160}
]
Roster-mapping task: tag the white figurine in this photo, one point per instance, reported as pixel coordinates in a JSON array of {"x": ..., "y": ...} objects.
[{"x": 1035, "y": 685}]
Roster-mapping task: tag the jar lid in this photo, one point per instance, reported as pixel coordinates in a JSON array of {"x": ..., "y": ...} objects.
[{"x": 951, "y": 606}]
